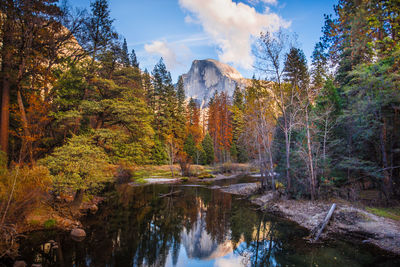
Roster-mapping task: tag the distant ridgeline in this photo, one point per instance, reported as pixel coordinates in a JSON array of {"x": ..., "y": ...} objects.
[{"x": 208, "y": 76}]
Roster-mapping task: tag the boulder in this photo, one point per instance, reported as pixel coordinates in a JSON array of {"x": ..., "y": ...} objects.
[
  {"x": 20, "y": 264},
  {"x": 78, "y": 234},
  {"x": 93, "y": 209},
  {"x": 241, "y": 189}
]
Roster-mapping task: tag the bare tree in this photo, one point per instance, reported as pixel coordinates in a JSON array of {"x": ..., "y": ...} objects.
[
  {"x": 270, "y": 54},
  {"x": 171, "y": 147},
  {"x": 261, "y": 127}
]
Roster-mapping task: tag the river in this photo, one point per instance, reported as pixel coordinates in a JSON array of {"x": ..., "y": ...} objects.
[{"x": 196, "y": 226}]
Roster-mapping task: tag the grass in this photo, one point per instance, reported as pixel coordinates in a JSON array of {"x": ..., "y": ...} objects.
[
  {"x": 391, "y": 213},
  {"x": 140, "y": 181}
]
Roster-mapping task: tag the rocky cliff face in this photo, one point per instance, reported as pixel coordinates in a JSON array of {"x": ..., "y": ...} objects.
[{"x": 207, "y": 76}]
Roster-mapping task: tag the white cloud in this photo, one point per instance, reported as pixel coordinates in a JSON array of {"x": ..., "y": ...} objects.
[
  {"x": 232, "y": 26},
  {"x": 173, "y": 54},
  {"x": 271, "y": 2}
]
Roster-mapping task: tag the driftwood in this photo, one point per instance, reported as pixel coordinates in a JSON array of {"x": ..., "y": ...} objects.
[
  {"x": 171, "y": 193},
  {"x": 320, "y": 228}
]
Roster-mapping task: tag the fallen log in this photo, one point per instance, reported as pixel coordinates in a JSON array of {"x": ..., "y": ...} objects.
[
  {"x": 171, "y": 193},
  {"x": 320, "y": 228}
]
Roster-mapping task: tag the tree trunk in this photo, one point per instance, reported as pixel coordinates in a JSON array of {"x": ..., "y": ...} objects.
[
  {"x": 25, "y": 143},
  {"x": 5, "y": 113},
  {"x": 325, "y": 222},
  {"x": 387, "y": 182},
  {"x": 76, "y": 203},
  {"x": 287, "y": 162},
  {"x": 310, "y": 159},
  {"x": 6, "y": 81}
]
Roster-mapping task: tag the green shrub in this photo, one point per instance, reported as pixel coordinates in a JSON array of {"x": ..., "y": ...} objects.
[
  {"x": 51, "y": 223},
  {"x": 78, "y": 165}
]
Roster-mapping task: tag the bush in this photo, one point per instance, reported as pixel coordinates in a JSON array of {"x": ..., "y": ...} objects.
[
  {"x": 30, "y": 185},
  {"x": 21, "y": 191},
  {"x": 78, "y": 166}
]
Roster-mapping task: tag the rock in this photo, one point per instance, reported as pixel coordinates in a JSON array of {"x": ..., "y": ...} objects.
[
  {"x": 215, "y": 187},
  {"x": 241, "y": 189},
  {"x": 93, "y": 209},
  {"x": 265, "y": 199},
  {"x": 78, "y": 234},
  {"x": 208, "y": 76},
  {"x": 36, "y": 265},
  {"x": 20, "y": 264}
]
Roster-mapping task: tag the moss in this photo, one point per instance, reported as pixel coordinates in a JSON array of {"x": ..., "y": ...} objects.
[
  {"x": 51, "y": 223},
  {"x": 205, "y": 175},
  {"x": 140, "y": 181},
  {"x": 140, "y": 174},
  {"x": 391, "y": 213},
  {"x": 34, "y": 222}
]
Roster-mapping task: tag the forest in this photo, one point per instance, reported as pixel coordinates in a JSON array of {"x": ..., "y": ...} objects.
[{"x": 78, "y": 112}]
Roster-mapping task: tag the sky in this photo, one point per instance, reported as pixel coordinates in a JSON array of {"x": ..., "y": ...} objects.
[{"x": 181, "y": 31}]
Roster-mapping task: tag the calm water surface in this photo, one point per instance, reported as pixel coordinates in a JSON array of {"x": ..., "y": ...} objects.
[{"x": 197, "y": 227}]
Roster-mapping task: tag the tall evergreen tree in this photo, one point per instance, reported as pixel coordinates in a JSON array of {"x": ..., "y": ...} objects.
[
  {"x": 148, "y": 89},
  {"x": 238, "y": 150},
  {"x": 166, "y": 104},
  {"x": 124, "y": 54},
  {"x": 100, "y": 33},
  {"x": 181, "y": 110},
  {"x": 319, "y": 66},
  {"x": 134, "y": 61},
  {"x": 208, "y": 147}
]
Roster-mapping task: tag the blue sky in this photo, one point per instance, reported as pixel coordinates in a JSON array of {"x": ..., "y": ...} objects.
[{"x": 184, "y": 30}]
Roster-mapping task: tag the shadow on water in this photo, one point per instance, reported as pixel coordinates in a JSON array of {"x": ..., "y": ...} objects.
[{"x": 198, "y": 227}]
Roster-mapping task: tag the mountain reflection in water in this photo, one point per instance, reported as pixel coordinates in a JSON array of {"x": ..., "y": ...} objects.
[{"x": 198, "y": 227}]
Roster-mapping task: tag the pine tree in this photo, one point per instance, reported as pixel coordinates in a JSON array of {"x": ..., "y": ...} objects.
[
  {"x": 180, "y": 110},
  {"x": 134, "y": 61},
  {"x": 99, "y": 29},
  {"x": 238, "y": 151},
  {"x": 208, "y": 147},
  {"x": 149, "y": 90},
  {"x": 190, "y": 148},
  {"x": 180, "y": 94},
  {"x": 295, "y": 70},
  {"x": 124, "y": 54},
  {"x": 166, "y": 105},
  {"x": 319, "y": 66}
]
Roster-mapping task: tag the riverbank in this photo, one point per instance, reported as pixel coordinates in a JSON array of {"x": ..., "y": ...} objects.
[{"x": 348, "y": 222}]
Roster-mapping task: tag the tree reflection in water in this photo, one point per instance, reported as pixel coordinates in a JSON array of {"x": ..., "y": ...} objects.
[{"x": 199, "y": 226}]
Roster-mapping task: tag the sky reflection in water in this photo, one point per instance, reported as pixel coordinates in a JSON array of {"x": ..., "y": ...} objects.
[{"x": 198, "y": 227}]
